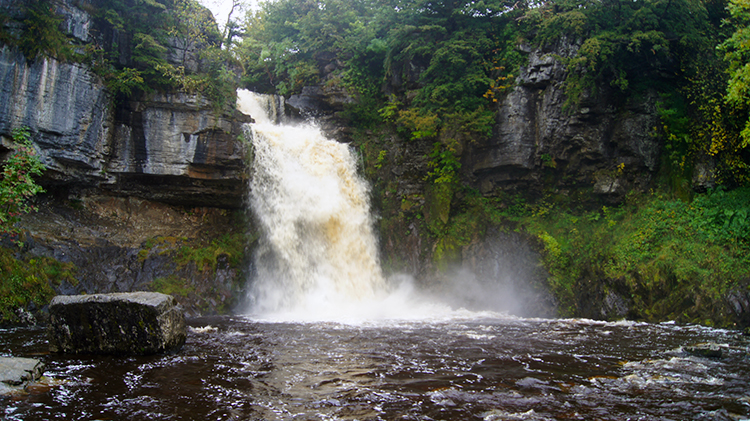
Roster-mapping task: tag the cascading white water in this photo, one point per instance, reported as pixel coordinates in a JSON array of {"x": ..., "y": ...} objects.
[
  {"x": 317, "y": 259},
  {"x": 318, "y": 255}
]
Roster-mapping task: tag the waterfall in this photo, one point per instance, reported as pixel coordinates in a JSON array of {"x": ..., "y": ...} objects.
[{"x": 318, "y": 253}]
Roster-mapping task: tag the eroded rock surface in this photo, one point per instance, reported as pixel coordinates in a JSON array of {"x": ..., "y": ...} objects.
[
  {"x": 605, "y": 144},
  {"x": 137, "y": 323}
]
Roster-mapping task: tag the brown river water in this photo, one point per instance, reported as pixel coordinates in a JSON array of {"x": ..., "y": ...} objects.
[{"x": 475, "y": 367}]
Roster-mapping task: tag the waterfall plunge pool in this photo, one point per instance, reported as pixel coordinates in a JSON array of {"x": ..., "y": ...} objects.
[{"x": 470, "y": 367}]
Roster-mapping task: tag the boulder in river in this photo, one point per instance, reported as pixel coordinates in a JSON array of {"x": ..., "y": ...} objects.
[
  {"x": 134, "y": 323},
  {"x": 16, "y": 373}
]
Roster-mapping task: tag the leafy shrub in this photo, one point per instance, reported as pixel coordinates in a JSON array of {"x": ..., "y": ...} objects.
[
  {"x": 17, "y": 184},
  {"x": 26, "y": 282},
  {"x": 677, "y": 258},
  {"x": 42, "y": 34}
]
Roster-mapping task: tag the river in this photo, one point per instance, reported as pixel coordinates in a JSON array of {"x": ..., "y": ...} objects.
[{"x": 474, "y": 366}]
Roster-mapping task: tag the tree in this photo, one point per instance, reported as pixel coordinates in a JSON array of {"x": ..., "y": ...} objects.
[
  {"x": 42, "y": 34},
  {"x": 193, "y": 24},
  {"x": 17, "y": 184},
  {"x": 233, "y": 27},
  {"x": 737, "y": 55},
  {"x": 736, "y": 151}
]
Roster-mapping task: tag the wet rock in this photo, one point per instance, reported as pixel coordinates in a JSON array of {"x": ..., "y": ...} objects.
[
  {"x": 738, "y": 301},
  {"x": 64, "y": 104},
  {"x": 137, "y": 323},
  {"x": 605, "y": 144},
  {"x": 178, "y": 148},
  {"x": 17, "y": 373},
  {"x": 707, "y": 350}
]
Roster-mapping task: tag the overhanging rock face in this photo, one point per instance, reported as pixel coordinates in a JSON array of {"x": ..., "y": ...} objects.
[{"x": 120, "y": 323}]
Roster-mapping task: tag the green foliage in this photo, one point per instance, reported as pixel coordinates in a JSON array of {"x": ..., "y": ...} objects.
[
  {"x": 698, "y": 123},
  {"x": 418, "y": 124},
  {"x": 737, "y": 55},
  {"x": 626, "y": 43},
  {"x": 23, "y": 282},
  {"x": 444, "y": 164},
  {"x": 149, "y": 57},
  {"x": 17, "y": 184},
  {"x": 458, "y": 48},
  {"x": 172, "y": 285},
  {"x": 206, "y": 256},
  {"x": 677, "y": 258},
  {"x": 42, "y": 34},
  {"x": 125, "y": 81}
]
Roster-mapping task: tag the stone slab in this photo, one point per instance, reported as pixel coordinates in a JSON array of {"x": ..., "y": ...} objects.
[
  {"x": 16, "y": 373},
  {"x": 135, "y": 323}
]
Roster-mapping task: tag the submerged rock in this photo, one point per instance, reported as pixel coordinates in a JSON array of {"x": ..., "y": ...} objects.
[
  {"x": 120, "y": 323},
  {"x": 16, "y": 373},
  {"x": 707, "y": 350}
]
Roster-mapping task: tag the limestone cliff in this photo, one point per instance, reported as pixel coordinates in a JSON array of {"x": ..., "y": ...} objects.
[
  {"x": 606, "y": 145},
  {"x": 132, "y": 183},
  {"x": 65, "y": 106},
  {"x": 176, "y": 148},
  {"x": 143, "y": 147}
]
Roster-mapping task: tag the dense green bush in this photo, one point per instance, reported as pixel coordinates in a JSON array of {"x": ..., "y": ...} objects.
[
  {"x": 678, "y": 258},
  {"x": 17, "y": 184},
  {"x": 27, "y": 282}
]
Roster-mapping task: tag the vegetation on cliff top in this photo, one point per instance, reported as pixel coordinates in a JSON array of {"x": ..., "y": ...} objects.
[
  {"x": 434, "y": 69},
  {"x": 135, "y": 46}
]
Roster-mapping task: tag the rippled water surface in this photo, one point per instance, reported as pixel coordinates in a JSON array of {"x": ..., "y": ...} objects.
[{"x": 458, "y": 369}]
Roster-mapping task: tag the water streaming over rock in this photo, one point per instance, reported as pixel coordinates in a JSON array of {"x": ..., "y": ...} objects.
[{"x": 318, "y": 253}]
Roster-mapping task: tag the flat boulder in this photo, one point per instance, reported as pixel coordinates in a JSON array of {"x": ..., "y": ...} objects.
[
  {"x": 17, "y": 373},
  {"x": 130, "y": 323}
]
